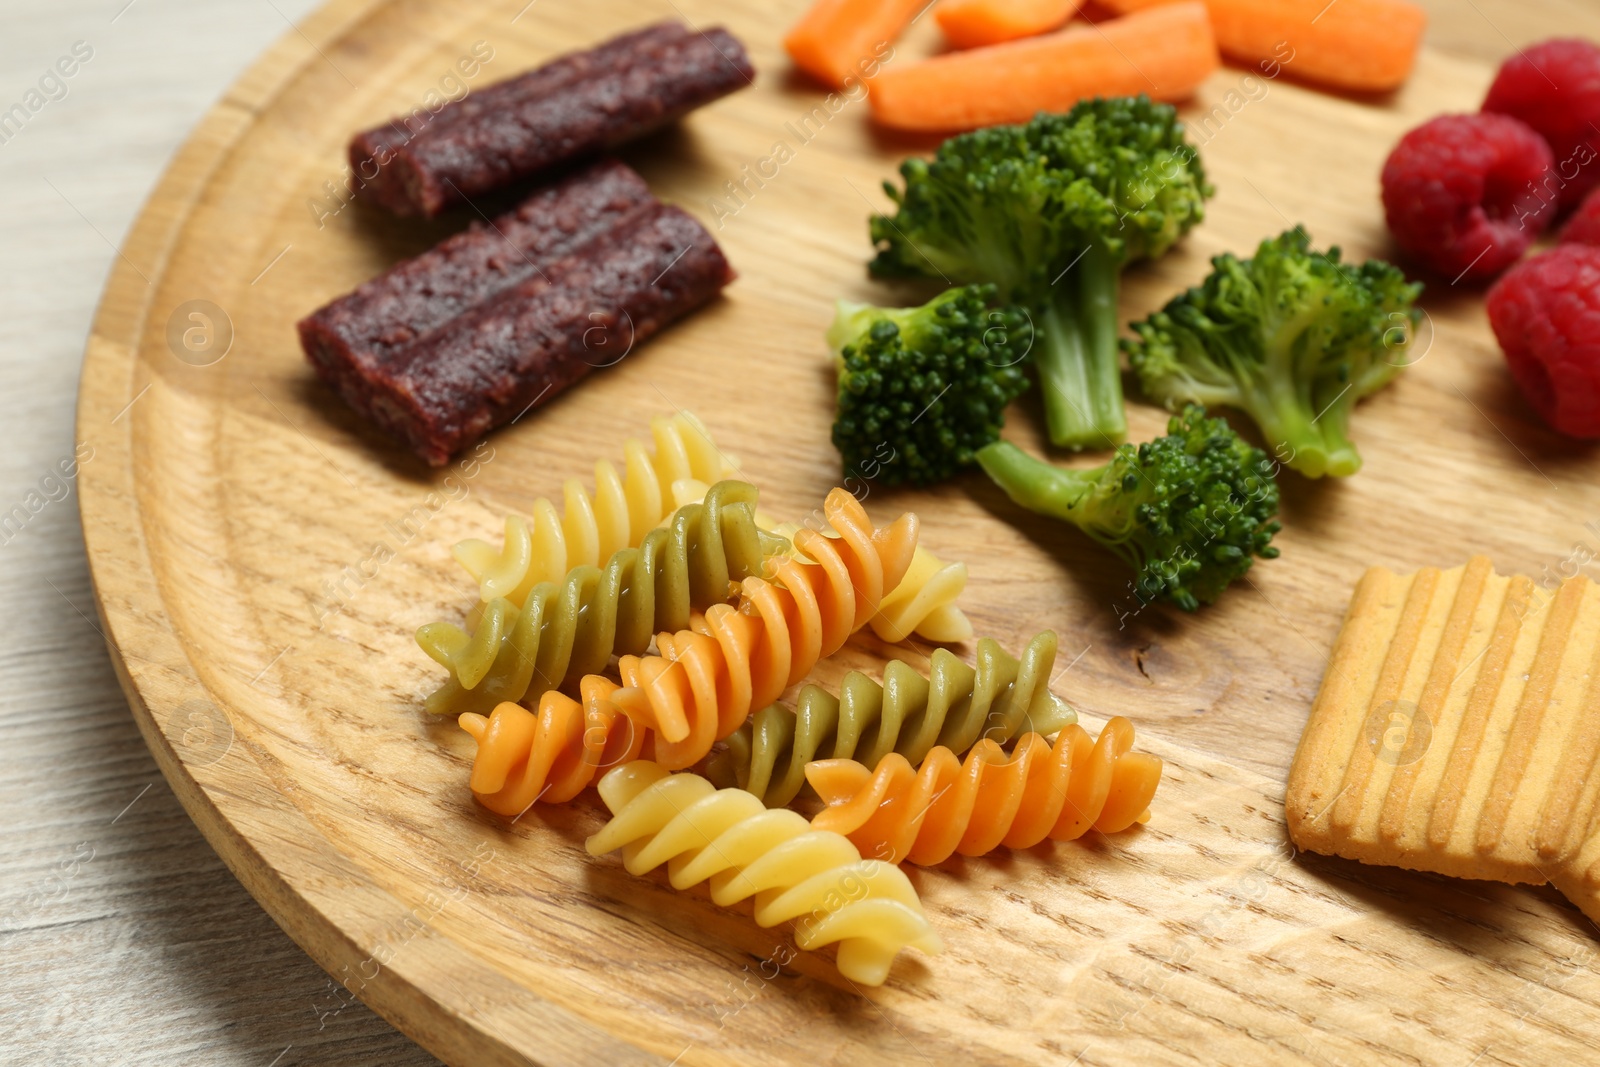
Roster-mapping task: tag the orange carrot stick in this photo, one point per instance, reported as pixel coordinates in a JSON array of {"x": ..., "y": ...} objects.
[
  {"x": 1360, "y": 45},
  {"x": 1164, "y": 53},
  {"x": 839, "y": 41},
  {"x": 976, "y": 23}
]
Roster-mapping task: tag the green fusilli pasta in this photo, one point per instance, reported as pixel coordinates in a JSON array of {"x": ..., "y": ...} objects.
[
  {"x": 955, "y": 706},
  {"x": 572, "y": 628}
]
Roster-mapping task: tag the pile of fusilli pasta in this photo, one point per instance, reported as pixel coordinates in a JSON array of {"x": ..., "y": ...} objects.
[{"x": 707, "y": 611}]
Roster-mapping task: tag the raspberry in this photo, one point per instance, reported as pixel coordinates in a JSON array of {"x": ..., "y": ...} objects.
[
  {"x": 1546, "y": 315},
  {"x": 1457, "y": 192},
  {"x": 1584, "y": 226},
  {"x": 1555, "y": 88}
]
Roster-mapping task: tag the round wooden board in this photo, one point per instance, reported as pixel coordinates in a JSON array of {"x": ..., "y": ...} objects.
[{"x": 262, "y": 559}]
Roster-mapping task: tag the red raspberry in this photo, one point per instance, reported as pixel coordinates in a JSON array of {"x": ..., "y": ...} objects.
[
  {"x": 1457, "y": 193},
  {"x": 1555, "y": 88},
  {"x": 1584, "y": 226},
  {"x": 1546, "y": 314}
]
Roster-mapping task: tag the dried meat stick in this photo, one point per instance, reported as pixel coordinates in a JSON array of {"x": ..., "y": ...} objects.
[
  {"x": 576, "y": 106},
  {"x": 371, "y": 151},
  {"x": 522, "y": 347},
  {"x": 351, "y": 339}
]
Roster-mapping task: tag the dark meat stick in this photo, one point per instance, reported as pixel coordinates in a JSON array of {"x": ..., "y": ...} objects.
[
  {"x": 370, "y": 151},
  {"x": 577, "y": 106},
  {"x": 352, "y": 338},
  {"x": 492, "y": 364}
]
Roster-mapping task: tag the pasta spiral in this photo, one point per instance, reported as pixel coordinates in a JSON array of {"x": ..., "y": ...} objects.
[
  {"x": 990, "y": 800},
  {"x": 553, "y": 755},
  {"x": 868, "y": 907},
  {"x": 705, "y": 681},
  {"x": 700, "y": 688},
  {"x": 568, "y": 629},
  {"x": 924, "y": 603},
  {"x": 593, "y": 529},
  {"x": 909, "y": 714}
]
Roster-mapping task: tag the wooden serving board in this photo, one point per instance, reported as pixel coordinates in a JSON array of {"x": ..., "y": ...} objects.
[{"x": 262, "y": 559}]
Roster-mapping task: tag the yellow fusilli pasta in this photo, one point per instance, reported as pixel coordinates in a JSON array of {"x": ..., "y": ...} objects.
[
  {"x": 953, "y": 707},
  {"x": 868, "y": 907},
  {"x": 992, "y": 799},
  {"x": 623, "y": 509},
  {"x": 701, "y": 686},
  {"x": 565, "y": 630},
  {"x": 925, "y": 603}
]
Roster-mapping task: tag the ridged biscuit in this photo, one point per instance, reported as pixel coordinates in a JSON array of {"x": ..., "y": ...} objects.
[{"x": 1456, "y": 730}]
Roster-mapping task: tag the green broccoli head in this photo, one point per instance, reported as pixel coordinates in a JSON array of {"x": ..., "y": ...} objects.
[
  {"x": 1133, "y": 159},
  {"x": 1050, "y": 211},
  {"x": 922, "y": 389},
  {"x": 1188, "y": 512},
  {"x": 984, "y": 209},
  {"x": 1292, "y": 336},
  {"x": 1017, "y": 205}
]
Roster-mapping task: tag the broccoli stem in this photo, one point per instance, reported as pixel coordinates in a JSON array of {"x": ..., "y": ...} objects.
[
  {"x": 1078, "y": 361},
  {"x": 1340, "y": 456},
  {"x": 1293, "y": 433},
  {"x": 1099, "y": 277},
  {"x": 1073, "y": 496},
  {"x": 1064, "y": 378},
  {"x": 1034, "y": 484}
]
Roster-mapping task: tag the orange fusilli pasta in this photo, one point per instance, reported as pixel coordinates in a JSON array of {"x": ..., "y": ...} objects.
[
  {"x": 704, "y": 682},
  {"x": 992, "y": 799},
  {"x": 550, "y": 755}
]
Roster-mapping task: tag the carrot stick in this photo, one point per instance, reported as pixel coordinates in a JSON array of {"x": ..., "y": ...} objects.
[
  {"x": 1164, "y": 53},
  {"x": 1360, "y": 45},
  {"x": 840, "y": 41},
  {"x": 976, "y": 23}
]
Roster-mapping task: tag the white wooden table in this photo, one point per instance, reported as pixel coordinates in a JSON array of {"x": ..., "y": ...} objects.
[{"x": 123, "y": 939}]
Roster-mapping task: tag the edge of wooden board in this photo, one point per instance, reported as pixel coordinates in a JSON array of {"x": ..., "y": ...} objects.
[{"x": 156, "y": 677}]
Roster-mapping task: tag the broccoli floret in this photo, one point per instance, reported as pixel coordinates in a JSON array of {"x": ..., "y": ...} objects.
[
  {"x": 922, "y": 389},
  {"x": 1189, "y": 512},
  {"x": 1051, "y": 211},
  {"x": 1292, "y": 336}
]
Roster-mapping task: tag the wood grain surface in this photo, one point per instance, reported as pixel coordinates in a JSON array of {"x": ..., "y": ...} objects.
[
  {"x": 124, "y": 940},
  {"x": 227, "y": 504}
]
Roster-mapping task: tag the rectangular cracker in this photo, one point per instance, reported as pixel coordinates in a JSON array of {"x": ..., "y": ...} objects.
[{"x": 1457, "y": 729}]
